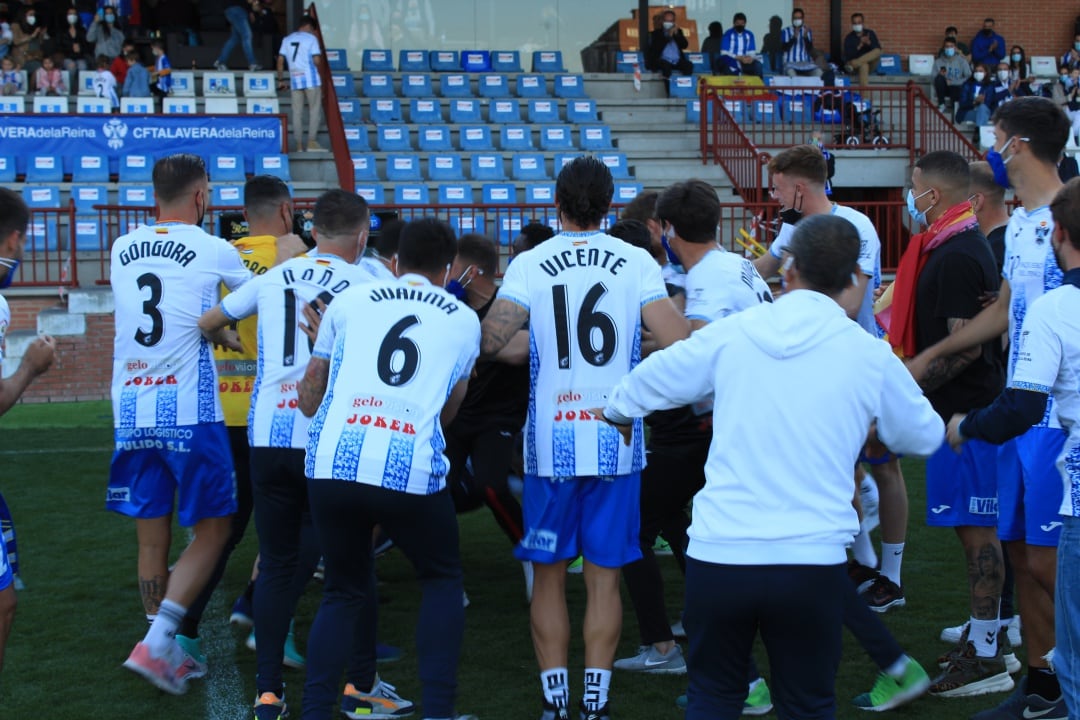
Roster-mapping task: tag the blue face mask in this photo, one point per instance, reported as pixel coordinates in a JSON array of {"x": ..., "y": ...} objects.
[
  {"x": 457, "y": 287},
  {"x": 997, "y": 164},
  {"x": 671, "y": 256},
  {"x": 949, "y": 52},
  {"x": 13, "y": 267},
  {"x": 917, "y": 215},
  {"x": 1017, "y": 57}
]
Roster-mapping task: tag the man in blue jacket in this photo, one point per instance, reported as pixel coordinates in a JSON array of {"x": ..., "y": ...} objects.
[{"x": 988, "y": 47}]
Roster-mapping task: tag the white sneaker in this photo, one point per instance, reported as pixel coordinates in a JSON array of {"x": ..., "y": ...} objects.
[
  {"x": 677, "y": 630},
  {"x": 952, "y": 634},
  {"x": 868, "y": 494},
  {"x": 650, "y": 660}
]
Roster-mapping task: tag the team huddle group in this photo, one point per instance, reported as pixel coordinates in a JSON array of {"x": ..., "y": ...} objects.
[{"x": 352, "y": 393}]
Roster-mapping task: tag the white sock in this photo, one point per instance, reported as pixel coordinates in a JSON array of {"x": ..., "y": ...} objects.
[
  {"x": 597, "y": 681},
  {"x": 863, "y": 550},
  {"x": 162, "y": 634},
  {"x": 896, "y": 670},
  {"x": 556, "y": 687},
  {"x": 892, "y": 557},
  {"x": 983, "y": 634},
  {"x": 150, "y": 618}
]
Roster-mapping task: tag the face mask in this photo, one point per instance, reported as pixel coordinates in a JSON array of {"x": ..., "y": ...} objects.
[
  {"x": 797, "y": 22},
  {"x": 1076, "y": 46},
  {"x": 12, "y": 265},
  {"x": 987, "y": 32},
  {"x": 669, "y": 25},
  {"x": 949, "y": 52},
  {"x": 790, "y": 216},
  {"x": 997, "y": 164},
  {"x": 856, "y": 28},
  {"x": 1065, "y": 80},
  {"x": 457, "y": 287},
  {"x": 739, "y": 28},
  {"x": 979, "y": 76},
  {"x": 72, "y": 19},
  {"x": 201, "y": 211},
  {"x": 1017, "y": 57},
  {"x": 918, "y": 216},
  {"x": 31, "y": 20},
  {"x": 110, "y": 19},
  {"x": 1003, "y": 75}
]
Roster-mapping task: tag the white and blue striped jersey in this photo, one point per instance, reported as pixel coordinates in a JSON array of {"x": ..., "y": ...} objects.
[
  {"x": 736, "y": 43},
  {"x": 396, "y": 351},
  {"x": 797, "y": 52},
  {"x": 299, "y": 50},
  {"x": 1032, "y": 270},
  {"x": 584, "y": 293},
  {"x": 164, "y": 277},
  {"x": 278, "y": 297}
]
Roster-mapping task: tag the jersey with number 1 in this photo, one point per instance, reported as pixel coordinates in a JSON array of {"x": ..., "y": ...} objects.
[
  {"x": 299, "y": 50},
  {"x": 284, "y": 350},
  {"x": 584, "y": 292},
  {"x": 164, "y": 277}
]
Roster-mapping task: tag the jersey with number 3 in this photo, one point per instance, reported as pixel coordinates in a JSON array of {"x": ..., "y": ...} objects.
[
  {"x": 284, "y": 350},
  {"x": 396, "y": 351},
  {"x": 164, "y": 277},
  {"x": 584, "y": 293},
  {"x": 299, "y": 50}
]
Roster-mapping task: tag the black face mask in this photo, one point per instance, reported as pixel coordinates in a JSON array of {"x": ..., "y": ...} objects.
[
  {"x": 740, "y": 28},
  {"x": 988, "y": 33},
  {"x": 790, "y": 216}
]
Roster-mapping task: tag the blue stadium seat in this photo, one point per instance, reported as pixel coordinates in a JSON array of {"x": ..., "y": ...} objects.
[
  {"x": 530, "y": 86},
  {"x": 475, "y": 137},
  {"x": 581, "y": 111},
  {"x": 889, "y": 65},
  {"x": 626, "y": 191},
  {"x": 529, "y": 166},
  {"x": 373, "y": 193},
  {"x": 700, "y": 63},
  {"x": 515, "y": 137},
  {"x": 137, "y": 195},
  {"x": 350, "y": 111},
  {"x": 444, "y": 166},
  {"x": 7, "y": 168},
  {"x": 466, "y": 221},
  {"x": 682, "y": 86},
  {"x": 425, "y": 110},
  {"x": 499, "y": 193},
  {"x": 86, "y": 197},
  {"x": 486, "y": 166},
  {"x": 377, "y": 61},
  {"x": 797, "y": 108},
  {"x": 411, "y": 194},
  {"x": 413, "y": 61},
  {"x": 227, "y": 168},
  {"x": 475, "y": 60},
  {"x": 337, "y": 58},
  {"x": 625, "y": 61},
  {"x": 44, "y": 169},
  {"x": 556, "y": 137},
  {"x": 136, "y": 168},
  {"x": 403, "y": 167},
  {"x": 434, "y": 138},
  {"x": 562, "y": 159},
  {"x": 374, "y": 85},
  {"x": 90, "y": 169},
  {"x": 547, "y": 61},
  {"x": 506, "y": 61},
  {"x": 356, "y": 137},
  {"x": 392, "y": 138},
  {"x": 595, "y": 137},
  {"x": 345, "y": 84},
  {"x": 455, "y": 85},
  {"x": 504, "y": 111},
  {"x": 509, "y": 225},
  {"x": 230, "y": 195},
  {"x": 493, "y": 85},
  {"x": 384, "y": 110},
  {"x": 444, "y": 60},
  {"x": 464, "y": 110},
  {"x": 455, "y": 194},
  {"x": 364, "y": 166},
  {"x": 540, "y": 193},
  {"x": 765, "y": 111},
  {"x": 41, "y": 196},
  {"x": 693, "y": 111},
  {"x": 617, "y": 164},
  {"x": 42, "y": 234},
  {"x": 90, "y": 233},
  {"x": 543, "y": 111},
  {"x": 569, "y": 86},
  {"x": 416, "y": 85},
  {"x": 276, "y": 165}
]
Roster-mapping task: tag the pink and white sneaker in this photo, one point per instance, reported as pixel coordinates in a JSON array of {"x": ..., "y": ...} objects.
[{"x": 169, "y": 673}]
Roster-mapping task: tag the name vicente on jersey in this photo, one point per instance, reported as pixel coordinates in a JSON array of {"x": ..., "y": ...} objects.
[{"x": 582, "y": 257}]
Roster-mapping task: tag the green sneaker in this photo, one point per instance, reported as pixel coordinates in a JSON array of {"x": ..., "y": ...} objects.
[
  {"x": 192, "y": 647},
  {"x": 889, "y": 692},
  {"x": 661, "y": 546},
  {"x": 575, "y": 567},
  {"x": 758, "y": 702},
  {"x": 291, "y": 657}
]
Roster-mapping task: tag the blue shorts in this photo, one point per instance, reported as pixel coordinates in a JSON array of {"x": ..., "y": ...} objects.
[
  {"x": 1030, "y": 487},
  {"x": 191, "y": 464},
  {"x": 6, "y": 576},
  {"x": 887, "y": 457},
  {"x": 961, "y": 489},
  {"x": 598, "y": 518}
]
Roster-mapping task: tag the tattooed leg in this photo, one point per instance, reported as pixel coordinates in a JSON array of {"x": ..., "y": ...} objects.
[{"x": 154, "y": 536}]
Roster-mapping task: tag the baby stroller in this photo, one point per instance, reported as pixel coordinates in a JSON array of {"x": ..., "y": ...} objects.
[{"x": 862, "y": 126}]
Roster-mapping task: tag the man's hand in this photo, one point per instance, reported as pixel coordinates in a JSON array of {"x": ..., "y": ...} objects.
[
  {"x": 313, "y": 315},
  {"x": 227, "y": 338},
  {"x": 874, "y": 448},
  {"x": 952, "y": 432},
  {"x": 627, "y": 431},
  {"x": 40, "y": 355},
  {"x": 288, "y": 247}
]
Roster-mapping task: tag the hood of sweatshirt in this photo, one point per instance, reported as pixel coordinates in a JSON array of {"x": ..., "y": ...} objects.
[{"x": 799, "y": 321}]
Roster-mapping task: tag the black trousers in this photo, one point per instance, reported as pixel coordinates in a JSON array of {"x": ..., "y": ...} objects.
[
  {"x": 944, "y": 91},
  {"x": 684, "y": 66},
  {"x": 490, "y": 446}
]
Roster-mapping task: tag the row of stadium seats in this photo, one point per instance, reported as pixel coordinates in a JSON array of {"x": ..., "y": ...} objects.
[
  {"x": 468, "y": 110},
  {"x": 490, "y": 85},
  {"x": 132, "y": 168},
  {"x": 543, "y": 61},
  {"x": 429, "y": 138},
  {"x": 140, "y": 106},
  {"x": 213, "y": 84},
  {"x": 408, "y": 167}
]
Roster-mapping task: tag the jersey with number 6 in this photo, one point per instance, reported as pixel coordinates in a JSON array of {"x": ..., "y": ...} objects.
[
  {"x": 396, "y": 350},
  {"x": 299, "y": 50},
  {"x": 284, "y": 350},
  {"x": 164, "y": 277},
  {"x": 584, "y": 293}
]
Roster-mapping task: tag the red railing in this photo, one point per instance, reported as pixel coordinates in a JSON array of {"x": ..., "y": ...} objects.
[
  {"x": 48, "y": 257},
  {"x": 335, "y": 126},
  {"x": 726, "y": 144}
]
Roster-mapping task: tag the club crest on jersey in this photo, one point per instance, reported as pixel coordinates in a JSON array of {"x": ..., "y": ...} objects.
[{"x": 1042, "y": 232}]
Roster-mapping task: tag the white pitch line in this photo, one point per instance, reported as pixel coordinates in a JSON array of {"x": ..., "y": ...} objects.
[{"x": 54, "y": 451}]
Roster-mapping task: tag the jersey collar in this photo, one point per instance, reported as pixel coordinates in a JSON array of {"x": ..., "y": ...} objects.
[{"x": 414, "y": 279}]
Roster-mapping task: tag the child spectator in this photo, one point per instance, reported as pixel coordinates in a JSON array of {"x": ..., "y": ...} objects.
[
  {"x": 119, "y": 66},
  {"x": 10, "y": 78},
  {"x": 71, "y": 42},
  {"x": 162, "y": 75},
  {"x": 136, "y": 78},
  {"x": 5, "y": 35},
  {"x": 105, "y": 82},
  {"x": 48, "y": 79}
]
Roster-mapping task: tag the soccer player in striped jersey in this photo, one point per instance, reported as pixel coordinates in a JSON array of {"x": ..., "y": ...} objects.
[
  {"x": 390, "y": 366},
  {"x": 585, "y": 296},
  {"x": 300, "y": 50},
  {"x": 170, "y": 437}
]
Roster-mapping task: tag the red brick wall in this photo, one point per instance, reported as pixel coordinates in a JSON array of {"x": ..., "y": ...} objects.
[{"x": 1041, "y": 28}]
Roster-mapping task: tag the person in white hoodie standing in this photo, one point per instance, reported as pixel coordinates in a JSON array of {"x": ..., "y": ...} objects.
[{"x": 776, "y": 515}]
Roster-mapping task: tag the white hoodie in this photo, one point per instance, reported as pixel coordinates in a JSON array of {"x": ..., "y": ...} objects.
[{"x": 779, "y": 477}]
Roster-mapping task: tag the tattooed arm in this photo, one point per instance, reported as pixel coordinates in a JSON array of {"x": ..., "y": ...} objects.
[
  {"x": 312, "y": 387},
  {"x": 944, "y": 368},
  {"x": 503, "y": 320}
]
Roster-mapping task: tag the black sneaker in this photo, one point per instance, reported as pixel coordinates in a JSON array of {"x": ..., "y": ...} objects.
[
  {"x": 861, "y": 575},
  {"x": 553, "y": 712},
  {"x": 601, "y": 714},
  {"x": 884, "y": 594}
]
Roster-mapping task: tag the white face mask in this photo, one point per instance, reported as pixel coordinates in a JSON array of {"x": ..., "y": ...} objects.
[
  {"x": 856, "y": 28},
  {"x": 797, "y": 22},
  {"x": 31, "y": 20},
  {"x": 979, "y": 76},
  {"x": 72, "y": 19},
  {"x": 669, "y": 25},
  {"x": 1003, "y": 75}
]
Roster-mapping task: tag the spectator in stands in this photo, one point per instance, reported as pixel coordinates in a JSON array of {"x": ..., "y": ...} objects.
[
  {"x": 28, "y": 37},
  {"x": 137, "y": 78},
  {"x": 301, "y": 51},
  {"x": 1066, "y": 93},
  {"x": 72, "y": 44},
  {"x": 797, "y": 42},
  {"x": 5, "y": 35},
  {"x": 740, "y": 49},
  {"x": 1071, "y": 58},
  {"x": 710, "y": 48},
  {"x": 532, "y": 235},
  {"x": 988, "y": 47},
  {"x": 950, "y": 73},
  {"x": 1001, "y": 90},
  {"x": 667, "y": 45},
  {"x": 973, "y": 106},
  {"x": 48, "y": 80},
  {"x": 105, "y": 82},
  {"x": 1024, "y": 83},
  {"x": 11, "y": 82},
  {"x": 106, "y": 35},
  {"x": 162, "y": 75},
  {"x": 1067, "y": 168},
  {"x": 123, "y": 10},
  {"x": 236, "y": 12},
  {"x": 119, "y": 66},
  {"x": 264, "y": 22},
  {"x": 772, "y": 47},
  {"x": 961, "y": 48},
  {"x": 861, "y": 50}
]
